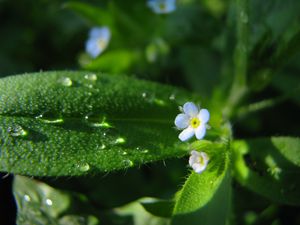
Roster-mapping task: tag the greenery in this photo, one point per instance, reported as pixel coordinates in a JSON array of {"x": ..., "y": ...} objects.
[{"x": 92, "y": 140}]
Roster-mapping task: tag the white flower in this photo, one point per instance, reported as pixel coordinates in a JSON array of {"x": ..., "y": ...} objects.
[
  {"x": 162, "y": 6},
  {"x": 192, "y": 121},
  {"x": 98, "y": 41},
  {"x": 198, "y": 161}
]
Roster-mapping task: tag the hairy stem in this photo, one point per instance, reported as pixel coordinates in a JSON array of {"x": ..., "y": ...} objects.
[{"x": 239, "y": 85}]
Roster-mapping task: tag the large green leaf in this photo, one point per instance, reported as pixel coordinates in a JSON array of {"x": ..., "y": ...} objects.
[
  {"x": 72, "y": 123},
  {"x": 218, "y": 205},
  {"x": 199, "y": 189},
  {"x": 270, "y": 167}
]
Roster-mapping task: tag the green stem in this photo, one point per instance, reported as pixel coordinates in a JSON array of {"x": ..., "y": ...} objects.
[
  {"x": 239, "y": 85},
  {"x": 267, "y": 103}
]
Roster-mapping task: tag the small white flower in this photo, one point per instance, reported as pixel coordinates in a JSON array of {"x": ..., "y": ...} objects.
[
  {"x": 198, "y": 161},
  {"x": 192, "y": 121},
  {"x": 99, "y": 38},
  {"x": 162, "y": 6}
]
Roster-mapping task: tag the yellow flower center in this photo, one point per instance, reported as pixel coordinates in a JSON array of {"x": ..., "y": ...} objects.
[
  {"x": 195, "y": 122},
  {"x": 101, "y": 43},
  {"x": 201, "y": 160},
  {"x": 162, "y": 6}
]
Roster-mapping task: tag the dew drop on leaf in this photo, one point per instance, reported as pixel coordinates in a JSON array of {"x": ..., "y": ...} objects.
[
  {"x": 84, "y": 167},
  {"x": 103, "y": 146},
  {"x": 65, "y": 81},
  {"x": 128, "y": 163},
  {"x": 172, "y": 97},
  {"x": 97, "y": 121},
  {"x": 159, "y": 102},
  {"x": 49, "y": 118},
  {"x": 16, "y": 131},
  {"x": 120, "y": 140},
  {"x": 145, "y": 151},
  {"x": 91, "y": 77},
  {"x": 49, "y": 202},
  {"x": 27, "y": 198},
  {"x": 144, "y": 94}
]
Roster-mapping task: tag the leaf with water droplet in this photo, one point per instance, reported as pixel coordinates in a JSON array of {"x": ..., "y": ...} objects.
[
  {"x": 67, "y": 123},
  {"x": 269, "y": 166},
  {"x": 38, "y": 203}
]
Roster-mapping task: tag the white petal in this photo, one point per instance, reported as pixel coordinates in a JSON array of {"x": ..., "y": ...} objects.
[
  {"x": 182, "y": 121},
  {"x": 199, "y": 168},
  {"x": 200, "y": 131},
  {"x": 190, "y": 109},
  {"x": 203, "y": 115},
  {"x": 193, "y": 158},
  {"x": 186, "y": 134}
]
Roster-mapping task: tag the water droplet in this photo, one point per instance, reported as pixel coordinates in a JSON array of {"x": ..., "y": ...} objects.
[
  {"x": 97, "y": 121},
  {"x": 103, "y": 146},
  {"x": 27, "y": 198},
  {"x": 120, "y": 140},
  {"x": 244, "y": 17},
  {"x": 84, "y": 167},
  {"x": 49, "y": 118},
  {"x": 16, "y": 131},
  {"x": 159, "y": 102},
  {"x": 65, "y": 81},
  {"x": 91, "y": 76},
  {"x": 172, "y": 97},
  {"x": 59, "y": 120},
  {"x": 49, "y": 202},
  {"x": 128, "y": 163}
]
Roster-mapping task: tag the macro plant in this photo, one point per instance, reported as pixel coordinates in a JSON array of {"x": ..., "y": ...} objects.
[{"x": 157, "y": 112}]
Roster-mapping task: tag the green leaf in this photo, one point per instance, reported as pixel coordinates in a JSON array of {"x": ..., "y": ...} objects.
[
  {"x": 216, "y": 211},
  {"x": 137, "y": 215},
  {"x": 91, "y": 13},
  {"x": 158, "y": 207},
  {"x": 38, "y": 203},
  {"x": 270, "y": 167},
  {"x": 73, "y": 123},
  {"x": 200, "y": 188}
]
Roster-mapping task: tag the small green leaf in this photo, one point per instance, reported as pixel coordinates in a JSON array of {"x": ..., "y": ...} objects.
[
  {"x": 137, "y": 215},
  {"x": 200, "y": 188},
  {"x": 73, "y": 123},
  {"x": 270, "y": 167},
  {"x": 157, "y": 207}
]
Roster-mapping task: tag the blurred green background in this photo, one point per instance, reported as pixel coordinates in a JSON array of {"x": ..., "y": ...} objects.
[{"x": 192, "y": 48}]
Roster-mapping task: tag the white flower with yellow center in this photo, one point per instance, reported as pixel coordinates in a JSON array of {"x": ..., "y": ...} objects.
[
  {"x": 198, "y": 161},
  {"x": 99, "y": 38},
  {"x": 192, "y": 121}
]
